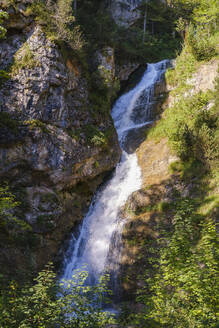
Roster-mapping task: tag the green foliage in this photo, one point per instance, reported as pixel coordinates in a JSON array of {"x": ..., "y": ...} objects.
[
  {"x": 95, "y": 136},
  {"x": 8, "y": 220},
  {"x": 24, "y": 59},
  {"x": 186, "y": 65},
  {"x": 183, "y": 291},
  {"x": 204, "y": 46},
  {"x": 3, "y": 16},
  {"x": 187, "y": 170},
  {"x": 160, "y": 40},
  {"x": 7, "y": 122},
  {"x": 4, "y": 76},
  {"x": 102, "y": 31},
  {"x": 191, "y": 128},
  {"x": 58, "y": 21},
  {"x": 191, "y": 124},
  {"x": 7, "y": 203},
  {"x": 39, "y": 306},
  {"x": 37, "y": 124}
]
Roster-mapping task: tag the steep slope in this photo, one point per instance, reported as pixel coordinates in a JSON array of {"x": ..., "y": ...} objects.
[
  {"x": 56, "y": 143},
  {"x": 171, "y": 227}
]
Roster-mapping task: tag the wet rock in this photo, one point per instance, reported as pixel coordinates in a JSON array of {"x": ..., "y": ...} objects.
[{"x": 123, "y": 72}]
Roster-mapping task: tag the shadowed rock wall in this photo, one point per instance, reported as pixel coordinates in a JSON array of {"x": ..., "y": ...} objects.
[{"x": 54, "y": 150}]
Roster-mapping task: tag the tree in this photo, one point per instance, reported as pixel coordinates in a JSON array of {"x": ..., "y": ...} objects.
[
  {"x": 7, "y": 203},
  {"x": 207, "y": 14},
  {"x": 58, "y": 21},
  {"x": 145, "y": 6},
  {"x": 45, "y": 304}
]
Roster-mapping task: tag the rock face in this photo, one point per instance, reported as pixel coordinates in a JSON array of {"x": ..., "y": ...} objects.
[
  {"x": 124, "y": 12},
  {"x": 204, "y": 78},
  {"x": 123, "y": 72},
  {"x": 105, "y": 63},
  {"x": 55, "y": 147}
]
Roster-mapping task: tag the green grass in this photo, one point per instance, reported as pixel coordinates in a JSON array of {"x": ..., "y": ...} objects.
[
  {"x": 191, "y": 129},
  {"x": 24, "y": 59},
  {"x": 37, "y": 124}
]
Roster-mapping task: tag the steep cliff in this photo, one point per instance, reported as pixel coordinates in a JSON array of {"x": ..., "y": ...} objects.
[
  {"x": 57, "y": 142},
  {"x": 124, "y": 12}
]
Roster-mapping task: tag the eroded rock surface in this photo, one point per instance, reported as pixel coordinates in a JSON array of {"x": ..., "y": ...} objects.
[
  {"x": 124, "y": 12},
  {"x": 55, "y": 147}
]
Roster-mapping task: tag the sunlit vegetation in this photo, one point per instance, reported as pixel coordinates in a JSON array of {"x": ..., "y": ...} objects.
[
  {"x": 3, "y": 16},
  {"x": 181, "y": 286},
  {"x": 181, "y": 289},
  {"x": 58, "y": 21},
  {"x": 47, "y": 303},
  {"x": 24, "y": 59}
]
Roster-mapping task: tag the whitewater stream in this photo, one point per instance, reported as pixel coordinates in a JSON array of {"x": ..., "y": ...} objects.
[{"x": 98, "y": 236}]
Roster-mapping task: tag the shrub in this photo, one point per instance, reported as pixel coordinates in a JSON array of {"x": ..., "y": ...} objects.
[
  {"x": 37, "y": 124},
  {"x": 95, "y": 136},
  {"x": 8, "y": 221},
  {"x": 3, "y": 16},
  {"x": 58, "y": 21},
  {"x": 4, "y": 76},
  {"x": 7, "y": 122},
  {"x": 45, "y": 304},
  {"x": 24, "y": 59},
  {"x": 181, "y": 289},
  {"x": 203, "y": 46}
]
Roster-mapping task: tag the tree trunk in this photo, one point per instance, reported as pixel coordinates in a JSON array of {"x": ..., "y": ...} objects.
[
  {"x": 153, "y": 28},
  {"x": 145, "y": 23},
  {"x": 75, "y": 6}
]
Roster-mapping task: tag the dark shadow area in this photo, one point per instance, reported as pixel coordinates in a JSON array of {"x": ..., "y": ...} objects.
[{"x": 150, "y": 214}]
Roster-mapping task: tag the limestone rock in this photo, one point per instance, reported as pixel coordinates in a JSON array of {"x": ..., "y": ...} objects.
[
  {"x": 105, "y": 64},
  {"x": 204, "y": 78},
  {"x": 124, "y": 12},
  {"x": 54, "y": 152},
  {"x": 123, "y": 72}
]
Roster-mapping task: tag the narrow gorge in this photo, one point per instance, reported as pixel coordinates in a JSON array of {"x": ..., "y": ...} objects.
[
  {"x": 109, "y": 157},
  {"x": 102, "y": 225}
]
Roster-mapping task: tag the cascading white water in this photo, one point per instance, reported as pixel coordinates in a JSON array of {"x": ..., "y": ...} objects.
[{"x": 92, "y": 246}]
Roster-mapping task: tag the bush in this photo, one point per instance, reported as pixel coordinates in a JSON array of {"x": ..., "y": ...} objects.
[
  {"x": 8, "y": 221},
  {"x": 95, "y": 136},
  {"x": 45, "y": 304},
  {"x": 58, "y": 21},
  {"x": 24, "y": 59},
  {"x": 3, "y": 16},
  {"x": 204, "y": 46},
  {"x": 181, "y": 289},
  {"x": 191, "y": 124},
  {"x": 4, "y": 76}
]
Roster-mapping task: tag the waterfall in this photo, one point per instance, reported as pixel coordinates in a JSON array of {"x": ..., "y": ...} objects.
[{"x": 102, "y": 222}]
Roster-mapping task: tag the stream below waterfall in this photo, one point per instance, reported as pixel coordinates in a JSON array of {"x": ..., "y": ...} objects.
[{"x": 97, "y": 246}]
